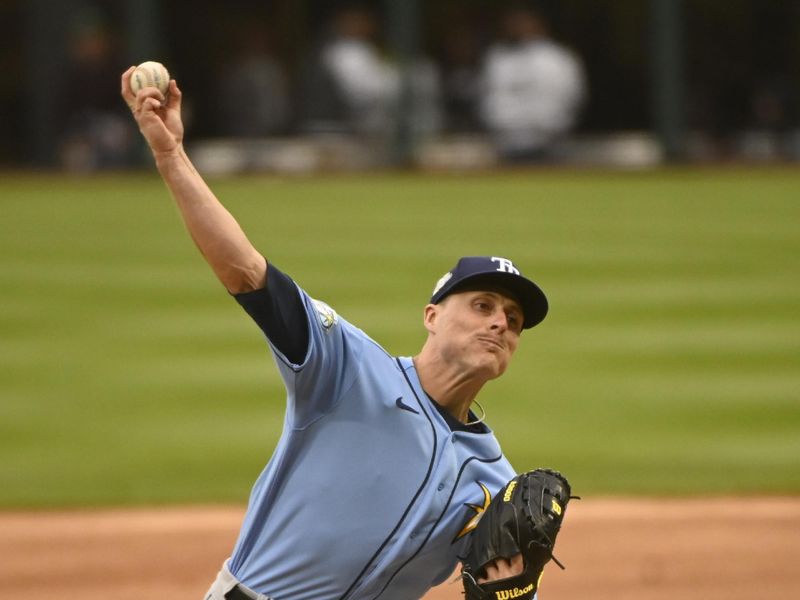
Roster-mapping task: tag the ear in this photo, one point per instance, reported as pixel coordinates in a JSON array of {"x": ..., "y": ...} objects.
[{"x": 430, "y": 313}]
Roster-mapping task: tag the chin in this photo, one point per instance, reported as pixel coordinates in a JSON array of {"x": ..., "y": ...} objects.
[
  {"x": 494, "y": 368},
  {"x": 499, "y": 371}
]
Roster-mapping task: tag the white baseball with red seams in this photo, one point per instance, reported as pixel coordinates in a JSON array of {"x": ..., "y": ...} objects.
[{"x": 150, "y": 74}]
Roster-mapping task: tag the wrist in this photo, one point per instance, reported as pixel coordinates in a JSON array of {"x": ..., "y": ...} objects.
[{"x": 164, "y": 158}]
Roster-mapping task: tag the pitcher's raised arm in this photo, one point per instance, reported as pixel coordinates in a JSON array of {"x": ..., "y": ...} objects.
[{"x": 237, "y": 264}]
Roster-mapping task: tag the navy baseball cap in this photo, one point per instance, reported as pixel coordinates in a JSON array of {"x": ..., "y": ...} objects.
[{"x": 498, "y": 271}]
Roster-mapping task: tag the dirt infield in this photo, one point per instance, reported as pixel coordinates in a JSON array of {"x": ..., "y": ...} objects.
[{"x": 622, "y": 549}]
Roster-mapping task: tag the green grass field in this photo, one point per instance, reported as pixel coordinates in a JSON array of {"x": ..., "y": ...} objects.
[{"x": 668, "y": 364}]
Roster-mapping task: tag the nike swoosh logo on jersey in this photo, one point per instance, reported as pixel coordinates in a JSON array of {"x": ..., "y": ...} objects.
[{"x": 404, "y": 406}]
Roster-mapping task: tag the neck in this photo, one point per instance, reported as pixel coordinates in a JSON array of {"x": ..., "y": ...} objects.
[{"x": 451, "y": 387}]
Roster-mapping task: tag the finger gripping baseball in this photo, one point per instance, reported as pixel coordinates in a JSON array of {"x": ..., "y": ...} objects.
[{"x": 523, "y": 518}]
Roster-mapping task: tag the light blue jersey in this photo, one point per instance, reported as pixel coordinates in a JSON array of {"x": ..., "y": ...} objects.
[{"x": 369, "y": 493}]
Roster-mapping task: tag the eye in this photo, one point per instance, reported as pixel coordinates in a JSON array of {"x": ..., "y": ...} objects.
[{"x": 514, "y": 321}]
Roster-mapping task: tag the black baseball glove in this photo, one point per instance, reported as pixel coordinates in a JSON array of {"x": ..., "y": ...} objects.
[{"x": 523, "y": 518}]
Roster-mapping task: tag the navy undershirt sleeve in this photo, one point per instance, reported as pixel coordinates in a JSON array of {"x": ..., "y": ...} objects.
[{"x": 278, "y": 310}]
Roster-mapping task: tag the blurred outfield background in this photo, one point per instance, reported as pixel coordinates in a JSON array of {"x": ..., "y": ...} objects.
[{"x": 668, "y": 364}]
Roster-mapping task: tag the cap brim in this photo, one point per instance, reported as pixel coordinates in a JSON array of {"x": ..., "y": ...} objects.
[{"x": 530, "y": 297}]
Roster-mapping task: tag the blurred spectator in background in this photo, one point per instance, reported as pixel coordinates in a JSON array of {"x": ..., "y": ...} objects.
[
  {"x": 97, "y": 134},
  {"x": 769, "y": 133},
  {"x": 425, "y": 90},
  {"x": 461, "y": 79},
  {"x": 349, "y": 86},
  {"x": 253, "y": 92},
  {"x": 533, "y": 88}
]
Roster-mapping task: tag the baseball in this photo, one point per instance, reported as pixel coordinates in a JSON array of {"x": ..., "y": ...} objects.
[{"x": 150, "y": 74}]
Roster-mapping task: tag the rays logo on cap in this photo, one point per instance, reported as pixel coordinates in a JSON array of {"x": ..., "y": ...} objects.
[{"x": 504, "y": 265}]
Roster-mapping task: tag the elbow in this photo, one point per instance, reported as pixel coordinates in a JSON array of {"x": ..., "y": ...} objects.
[{"x": 240, "y": 280}]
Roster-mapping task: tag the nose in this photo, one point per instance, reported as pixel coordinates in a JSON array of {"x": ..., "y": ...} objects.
[{"x": 499, "y": 321}]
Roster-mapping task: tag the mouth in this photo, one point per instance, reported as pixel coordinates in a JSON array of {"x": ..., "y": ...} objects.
[{"x": 491, "y": 342}]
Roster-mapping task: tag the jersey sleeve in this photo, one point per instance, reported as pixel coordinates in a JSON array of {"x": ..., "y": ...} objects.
[
  {"x": 279, "y": 311},
  {"x": 315, "y": 350}
]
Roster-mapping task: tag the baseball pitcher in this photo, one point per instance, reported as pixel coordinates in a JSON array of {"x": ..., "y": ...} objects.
[{"x": 382, "y": 473}]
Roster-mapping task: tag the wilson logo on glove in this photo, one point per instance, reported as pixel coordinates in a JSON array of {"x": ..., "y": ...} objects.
[
  {"x": 515, "y": 593},
  {"x": 509, "y": 491}
]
